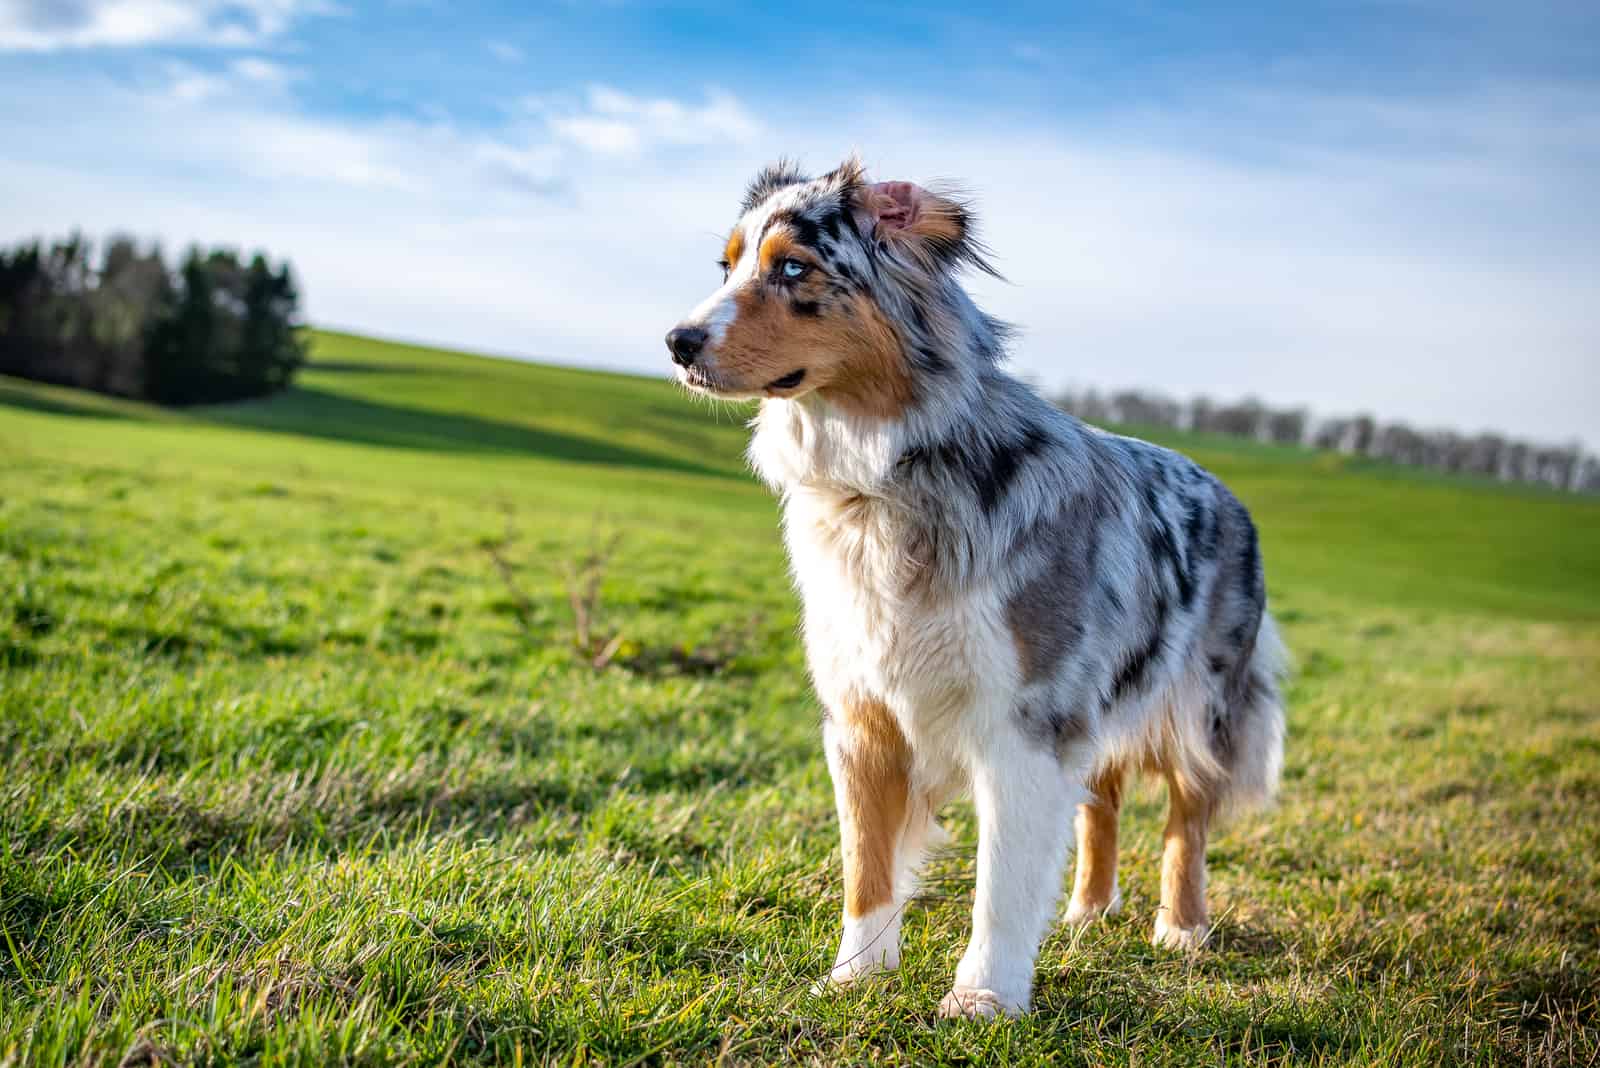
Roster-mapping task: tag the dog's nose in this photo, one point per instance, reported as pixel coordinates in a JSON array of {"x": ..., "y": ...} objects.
[{"x": 685, "y": 342}]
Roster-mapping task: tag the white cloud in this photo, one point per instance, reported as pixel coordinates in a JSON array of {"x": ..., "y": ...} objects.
[
  {"x": 506, "y": 52},
  {"x": 191, "y": 85},
  {"x": 55, "y": 25},
  {"x": 612, "y": 122},
  {"x": 263, "y": 72}
]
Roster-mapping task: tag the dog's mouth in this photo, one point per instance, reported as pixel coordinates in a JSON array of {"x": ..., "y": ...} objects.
[
  {"x": 788, "y": 381},
  {"x": 693, "y": 376},
  {"x": 702, "y": 382}
]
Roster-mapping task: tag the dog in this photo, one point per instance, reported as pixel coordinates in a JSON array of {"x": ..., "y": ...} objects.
[{"x": 997, "y": 598}]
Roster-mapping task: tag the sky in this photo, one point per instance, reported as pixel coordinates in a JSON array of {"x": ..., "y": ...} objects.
[{"x": 1376, "y": 205}]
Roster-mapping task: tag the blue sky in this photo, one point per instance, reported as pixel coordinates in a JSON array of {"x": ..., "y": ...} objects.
[{"x": 1381, "y": 206}]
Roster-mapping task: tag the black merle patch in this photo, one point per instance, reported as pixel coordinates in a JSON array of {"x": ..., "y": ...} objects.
[
  {"x": 1046, "y": 614},
  {"x": 1242, "y": 632},
  {"x": 1164, "y": 550},
  {"x": 836, "y": 222},
  {"x": 1199, "y": 528},
  {"x": 1221, "y": 732},
  {"x": 920, "y": 318},
  {"x": 806, "y": 231},
  {"x": 990, "y": 467},
  {"x": 1250, "y": 563},
  {"x": 929, "y": 360},
  {"x": 1004, "y": 461},
  {"x": 1136, "y": 666},
  {"x": 776, "y": 176}
]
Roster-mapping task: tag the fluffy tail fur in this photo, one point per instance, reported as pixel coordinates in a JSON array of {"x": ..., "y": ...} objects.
[{"x": 1255, "y": 760}]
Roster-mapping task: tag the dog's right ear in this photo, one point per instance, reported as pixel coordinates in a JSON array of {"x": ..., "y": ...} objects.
[
  {"x": 906, "y": 211},
  {"x": 936, "y": 227}
]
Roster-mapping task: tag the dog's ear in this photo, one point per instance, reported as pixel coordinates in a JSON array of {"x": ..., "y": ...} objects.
[
  {"x": 907, "y": 210},
  {"x": 936, "y": 227}
]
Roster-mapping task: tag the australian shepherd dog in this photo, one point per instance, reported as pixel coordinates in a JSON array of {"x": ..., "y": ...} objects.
[{"x": 998, "y": 598}]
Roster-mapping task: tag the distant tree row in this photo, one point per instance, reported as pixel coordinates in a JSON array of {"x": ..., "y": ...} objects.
[
  {"x": 217, "y": 328},
  {"x": 1564, "y": 467}
]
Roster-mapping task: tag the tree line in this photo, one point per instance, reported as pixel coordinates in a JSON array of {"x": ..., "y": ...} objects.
[
  {"x": 118, "y": 320},
  {"x": 219, "y": 328},
  {"x": 1489, "y": 455}
]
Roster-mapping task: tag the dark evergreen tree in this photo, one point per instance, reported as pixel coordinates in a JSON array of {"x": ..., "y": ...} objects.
[
  {"x": 271, "y": 350},
  {"x": 178, "y": 345},
  {"x": 218, "y": 330}
]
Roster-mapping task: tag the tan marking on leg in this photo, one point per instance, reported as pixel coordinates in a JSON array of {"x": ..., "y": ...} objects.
[
  {"x": 1094, "y": 889},
  {"x": 874, "y": 765},
  {"x": 1181, "y": 921}
]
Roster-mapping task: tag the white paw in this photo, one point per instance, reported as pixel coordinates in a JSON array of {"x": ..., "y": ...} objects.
[
  {"x": 1080, "y": 914},
  {"x": 854, "y": 968},
  {"x": 1182, "y": 939},
  {"x": 971, "y": 1003},
  {"x": 849, "y": 973},
  {"x": 871, "y": 944}
]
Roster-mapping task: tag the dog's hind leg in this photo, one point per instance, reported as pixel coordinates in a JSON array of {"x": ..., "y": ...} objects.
[
  {"x": 1094, "y": 890},
  {"x": 1181, "y": 919}
]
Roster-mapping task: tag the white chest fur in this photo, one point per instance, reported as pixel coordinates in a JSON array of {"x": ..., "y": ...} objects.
[{"x": 876, "y": 625}]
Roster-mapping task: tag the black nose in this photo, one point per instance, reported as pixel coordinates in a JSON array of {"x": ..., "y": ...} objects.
[{"x": 685, "y": 343}]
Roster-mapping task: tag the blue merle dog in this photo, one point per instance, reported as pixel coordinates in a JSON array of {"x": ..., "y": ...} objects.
[{"x": 998, "y": 598}]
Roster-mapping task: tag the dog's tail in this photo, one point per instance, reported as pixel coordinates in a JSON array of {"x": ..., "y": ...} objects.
[{"x": 1253, "y": 760}]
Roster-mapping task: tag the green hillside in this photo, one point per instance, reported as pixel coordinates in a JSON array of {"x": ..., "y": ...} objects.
[{"x": 299, "y": 760}]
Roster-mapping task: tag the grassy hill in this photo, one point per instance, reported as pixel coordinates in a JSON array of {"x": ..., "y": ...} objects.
[{"x": 299, "y": 761}]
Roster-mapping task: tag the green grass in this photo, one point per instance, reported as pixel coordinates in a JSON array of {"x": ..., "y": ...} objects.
[{"x": 289, "y": 773}]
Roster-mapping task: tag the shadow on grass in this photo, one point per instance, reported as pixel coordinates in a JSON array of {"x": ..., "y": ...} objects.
[
  {"x": 14, "y": 397},
  {"x": 358, "y": 367},
  {"x": 337, "y": 417}
]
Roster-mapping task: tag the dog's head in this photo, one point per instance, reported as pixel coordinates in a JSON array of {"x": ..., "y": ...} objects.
[{"x": 830, "y": 285}]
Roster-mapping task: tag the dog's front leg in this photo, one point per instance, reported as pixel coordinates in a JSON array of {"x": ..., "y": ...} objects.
[
  {"x": 1025, "y": 797},
  {"x": 879, "y": 826}
]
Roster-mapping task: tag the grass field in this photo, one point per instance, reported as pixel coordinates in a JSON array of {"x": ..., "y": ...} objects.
[{"x": 299, "y": 762}]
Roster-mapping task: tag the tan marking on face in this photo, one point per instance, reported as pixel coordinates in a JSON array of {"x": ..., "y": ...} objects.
[
  {"x": 777, "y": 246},
  {"x": 873, "y": 378},
  {"x": 874, "y": 793},
  {"x": 735, "y": 249},
  {"x": 851, "y": 354}
]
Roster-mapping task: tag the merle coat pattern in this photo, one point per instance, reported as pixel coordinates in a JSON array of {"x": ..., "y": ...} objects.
[{"x": 998, "y": 598}]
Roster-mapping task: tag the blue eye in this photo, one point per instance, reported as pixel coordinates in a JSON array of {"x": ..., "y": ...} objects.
[{"x": 793, "y": 268}]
